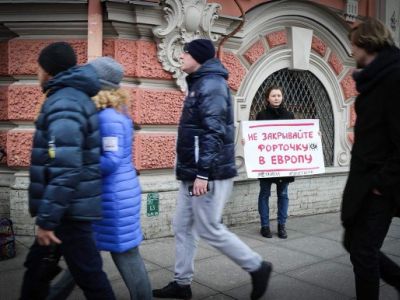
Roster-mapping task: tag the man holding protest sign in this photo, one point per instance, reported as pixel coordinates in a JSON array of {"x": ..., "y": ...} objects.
[
  {"x": 275, "y": 110},
  {"x": 372, "y": 193}
]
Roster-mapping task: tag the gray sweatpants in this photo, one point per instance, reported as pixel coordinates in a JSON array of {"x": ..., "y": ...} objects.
[{"x": 201, "y": 217}]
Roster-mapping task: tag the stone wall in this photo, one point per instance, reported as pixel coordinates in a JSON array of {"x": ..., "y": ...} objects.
[{"x": 307, "y": 196}]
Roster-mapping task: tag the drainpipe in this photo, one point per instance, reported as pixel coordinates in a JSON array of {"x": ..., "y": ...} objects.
[
  {"x": 95, "y": 30},
  {"x": 225, "y": 38}
]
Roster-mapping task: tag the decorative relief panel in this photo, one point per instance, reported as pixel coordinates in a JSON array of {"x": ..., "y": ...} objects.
[
  {"x": 348, "y": 86},
  {"x": 235, "y": 68},
  {"x": 24, "y": 102},
  {"x": 154, "y": 151},
  {"x": 254, "y": 52},
  {"x": 153, "y": 106},
  {"x": 335, "y": 62},
  {"x": 318, "y": 46},
  {"x": 277, "y": 38},
  {"x": 185, "y": 20},
  {"x": 19, "y": 146}
]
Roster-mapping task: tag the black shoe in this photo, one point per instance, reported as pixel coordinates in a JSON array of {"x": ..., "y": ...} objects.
[
  {"x": 259, "y": 280},
  {"x": 282, "y": 231},
  {"x": 174, "y": 290},
  {"x": 265, "y": 232}
]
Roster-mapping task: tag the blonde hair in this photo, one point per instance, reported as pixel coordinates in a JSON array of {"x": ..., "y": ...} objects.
[
  {"x": 111, "y": 98},
  {"x": 371, "y": 35}
]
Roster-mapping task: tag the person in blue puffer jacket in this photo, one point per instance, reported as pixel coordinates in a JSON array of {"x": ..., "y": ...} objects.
[{"x": 119, "y": 232}]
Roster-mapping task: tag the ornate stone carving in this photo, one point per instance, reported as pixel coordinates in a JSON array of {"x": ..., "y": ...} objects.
[{"x": 185, "y": 20}]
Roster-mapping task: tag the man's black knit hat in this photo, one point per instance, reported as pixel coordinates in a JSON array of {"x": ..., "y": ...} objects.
[
  {"x": 201, "y": 50},
  {"x": 57, "y": 57}
]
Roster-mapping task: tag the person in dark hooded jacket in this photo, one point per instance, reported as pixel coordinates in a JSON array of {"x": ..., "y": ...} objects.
[
  {"x": 372, "y": 192},
  {"x": 65, "y": 179},
  {"x": 206, "y": 167},
  {"x": 275, "y": 110}
]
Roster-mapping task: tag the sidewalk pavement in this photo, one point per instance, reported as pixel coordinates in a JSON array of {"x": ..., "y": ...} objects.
[{"x": 310, "y": 264}]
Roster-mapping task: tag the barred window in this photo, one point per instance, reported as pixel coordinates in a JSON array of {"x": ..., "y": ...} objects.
[{"x": 306, "y": 97}]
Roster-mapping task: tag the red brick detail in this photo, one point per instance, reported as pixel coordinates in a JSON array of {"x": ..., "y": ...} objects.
[
  {"x": 4, "y": 58},
  {"x": 3, "y": 144},
  {"x": 254, "y": 52},
  {"x": 318, "y": 46},
  {"x": 19, "y": 146},
  {"x": 24, "y": 102},
  {"x": 3, "y": 102},
  {"x": 348, "y": 86},
  {"x": 335, "y": 62},
  {"x": 352, "y": 117},
  {"x": 350, "y": 137},
  {"x": 235, "y": 68},
  {"x": 277, "y": 38},
  {"x": 154, "y": 151},
  {"x": 151, "y": 106},
  {"x": 23, "y": 54},
  {"x": 139, "y": 58}
]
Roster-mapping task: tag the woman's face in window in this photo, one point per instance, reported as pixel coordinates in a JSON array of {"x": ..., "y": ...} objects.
[{"x": 275, "y": 98}]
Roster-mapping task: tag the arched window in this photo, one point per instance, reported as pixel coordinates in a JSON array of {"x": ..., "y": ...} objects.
[{"x": 306, "y": 97}]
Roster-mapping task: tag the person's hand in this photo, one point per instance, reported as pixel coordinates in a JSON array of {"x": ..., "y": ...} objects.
[
  {"x": 46, "y": 237},
  {"x": 199, "y": 187}
]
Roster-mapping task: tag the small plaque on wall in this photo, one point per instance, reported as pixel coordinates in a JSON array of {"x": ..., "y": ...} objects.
[{"x": 153, "y": 200}]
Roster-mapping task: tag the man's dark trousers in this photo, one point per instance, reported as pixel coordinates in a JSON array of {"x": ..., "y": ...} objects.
[
  {"x": 83, "y": 260},
  {"x": 363, "y": 239}
]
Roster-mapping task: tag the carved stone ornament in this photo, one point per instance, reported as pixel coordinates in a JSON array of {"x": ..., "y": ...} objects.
[{"x": 185, "y": 20}]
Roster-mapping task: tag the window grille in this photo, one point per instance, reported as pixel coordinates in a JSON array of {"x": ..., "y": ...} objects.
[{"x": 306, "y": 97}]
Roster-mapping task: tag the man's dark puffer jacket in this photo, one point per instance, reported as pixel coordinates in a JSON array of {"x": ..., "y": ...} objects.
[
  {"x": 205, "y": 146},
  {"x": 64, "y": 173}
]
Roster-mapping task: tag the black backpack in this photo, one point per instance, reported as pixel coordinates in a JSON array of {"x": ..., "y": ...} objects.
[{"x": 7, "y": 239}]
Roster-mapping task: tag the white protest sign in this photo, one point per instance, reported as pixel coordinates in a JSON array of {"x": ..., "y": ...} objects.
[{"x": 282, "y": 148}]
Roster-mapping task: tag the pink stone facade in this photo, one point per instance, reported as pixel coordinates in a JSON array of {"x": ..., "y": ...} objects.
[
  {"x": 236, "y": 70},
  {"x": 154, "y": 106},
  {"x": 348, "y": 86},
  {"x": 24, "y": 102},
  {"x": 19, "y": 145},
  {"x": 20, "y": 101},
  {"x": 335, "y": 62},
  {"x": 277, "y": 38},
  {"x": 254, "y": 52},
  {"x": 154, "y": 151},
  {"x": 139, "y": 58},
  {"x": 23, "y": 54},
  {"x": 318, "y": 46}
]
